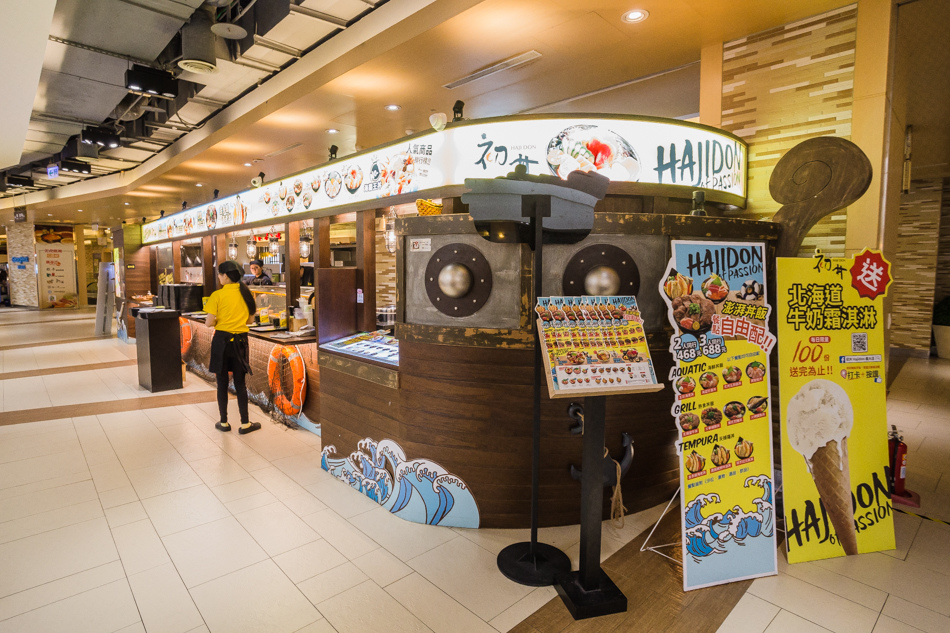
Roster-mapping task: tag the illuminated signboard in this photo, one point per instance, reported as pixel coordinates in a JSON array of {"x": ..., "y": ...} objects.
[{"x": 625, "y": 149}]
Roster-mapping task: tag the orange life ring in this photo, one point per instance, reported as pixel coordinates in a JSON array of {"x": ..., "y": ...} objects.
[
  {"x": 293, "y": 405},
  {"x": 186, "y": 334}
]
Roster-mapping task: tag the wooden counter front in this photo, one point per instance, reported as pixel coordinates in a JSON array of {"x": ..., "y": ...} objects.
[{"x": 470, "y": 410}]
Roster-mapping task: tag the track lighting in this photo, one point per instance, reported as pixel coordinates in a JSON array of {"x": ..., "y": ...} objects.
[
  {"x": 457, "y": 110},
  {"x": 333, "y": 150},
  {"x": 143, "y": 79}
]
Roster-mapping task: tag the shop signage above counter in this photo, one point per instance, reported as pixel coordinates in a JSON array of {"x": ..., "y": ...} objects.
[{"x": 625, "y": 149}]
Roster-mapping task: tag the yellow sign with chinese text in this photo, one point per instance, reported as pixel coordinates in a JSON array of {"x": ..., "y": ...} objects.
[{"x": 833, "y": 413}]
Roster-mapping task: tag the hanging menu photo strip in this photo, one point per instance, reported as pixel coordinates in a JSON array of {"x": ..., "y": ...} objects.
[
  {"x": 594, "y": 346},
  {"x": 716, "y": 298}
]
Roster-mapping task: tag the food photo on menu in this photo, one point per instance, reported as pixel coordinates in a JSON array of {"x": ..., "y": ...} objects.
[{"x": 594, "y": 343}]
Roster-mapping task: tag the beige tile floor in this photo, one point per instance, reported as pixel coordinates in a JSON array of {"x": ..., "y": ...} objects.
[{"x": 154, "y": 521}]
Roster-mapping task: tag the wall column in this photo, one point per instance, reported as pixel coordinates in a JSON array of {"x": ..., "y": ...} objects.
[
  {"x": 79, "y": 239},
  {"x": 710, "y": 85},
  {"x": 21, "y": 241}
]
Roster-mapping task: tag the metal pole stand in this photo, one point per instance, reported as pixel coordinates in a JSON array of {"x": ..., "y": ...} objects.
[
  {"x": 532, "y": 563},
  {"x": 590, "y": 592},
  {"x": 655, "y": 548}
]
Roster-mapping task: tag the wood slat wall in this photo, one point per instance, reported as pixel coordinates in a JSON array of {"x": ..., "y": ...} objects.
[
  {"x": 786, "y": 85},
  {"x": 915, "y": 265},
  {"x": 942, "y": 286}
]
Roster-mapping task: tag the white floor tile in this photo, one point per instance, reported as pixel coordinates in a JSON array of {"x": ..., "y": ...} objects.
[
  {"x": 481, "y": 588},
  {"x": 320, "y": 626},
  {"x": 513, "y": 615},
  {"x": 816, "y": 605},
  {"x": 916, "y": 616},
  {"x": 61, "y": 589},
  {"x": 49, "y": 520},
  {"x": 331, "y": 583},
  {"x": 124, "y": 514},
  {"x": 931, "y": 548},
  {"x": 837, "y": 584},
  {"x": 183, "y": 509},
  {"x": 366, "y": 607},
  {"x": 259, "y": 500},
  {"x": 750, "y": 615},
  {"x": 309, "y": 560},
  {"x": 118, "y": 497},
  {"x": 304, "y": 468},
  {"x": 106, "y": 608},
  {"x": 277, "y": 483},
  {"x": 64, "y": 552},
  {"x": 276, "y": 528},
  {"x": 139, "y": 547},
  {"x": 341, "y": 498},
  {"x": 219, "y": 470},
  {"x": 340, "y": 533},
  {"x": 304, "y": 504},
  {"x": 786, "y": 622},
  {"x": 382, "y": 567},
  {"x": 238, "y": 490},
  {"x": 886, "y": 624},
  {"x": 37, "y": 469},
  {"x": 254, "y": 599},
  {"x": 435, "y": 608},
  {"x": 403, "y": 538},
  {"x": 165, "y": 604},
  {"x": 212, "y": 550}
]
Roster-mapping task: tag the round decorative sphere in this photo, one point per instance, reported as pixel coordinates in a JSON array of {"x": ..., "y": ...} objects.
[
  {"x": 455, "y": 280},
  {"x": 602, "y": 280}
]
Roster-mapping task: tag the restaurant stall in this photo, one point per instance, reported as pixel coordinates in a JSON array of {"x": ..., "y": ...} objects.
[{"x": 433, "y": 420}]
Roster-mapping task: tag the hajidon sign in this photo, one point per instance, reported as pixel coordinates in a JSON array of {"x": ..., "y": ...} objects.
[
  {"x": 625, "y": 149},
  {"x": 716, "y": 296}
]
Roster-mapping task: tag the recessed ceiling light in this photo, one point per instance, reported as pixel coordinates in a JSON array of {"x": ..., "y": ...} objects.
[
  {"x": 636, "y": 15},
  {"x": 333, "y": 130},
  {"x": 199, "y": 185},
  {"x": 392, "y": 107},
  {"x": 50, "y": 214},
  {"x": 79, "y": 210},
  {"x": 126, "y": 204},
  {"x": 247, "y": 164}
]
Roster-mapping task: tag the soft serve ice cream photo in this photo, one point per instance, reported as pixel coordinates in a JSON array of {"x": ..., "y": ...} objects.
[{"x": 820, "y": 419}]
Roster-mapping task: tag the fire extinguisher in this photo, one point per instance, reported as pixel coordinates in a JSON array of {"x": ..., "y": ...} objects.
[{"x": 898, "y": 453}]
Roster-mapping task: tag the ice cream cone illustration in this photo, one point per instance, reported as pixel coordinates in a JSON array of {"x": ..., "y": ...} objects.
[{"x": 820, "y": 418}]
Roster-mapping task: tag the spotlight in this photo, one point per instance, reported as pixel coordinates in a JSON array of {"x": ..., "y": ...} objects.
[
  {"x": 457, "y": 110},
  {"x": 151, "y": 81},
  {"x": 333, "y": 150},
  {"x": 143, "y": 220},
  {"x": 74, "y": 166},
  {"x": 19, "y": 181},
  {"x": 161, "y": 214},
  {"x": 184, "y": 205},
  {"x": 214, "y": 194},
  {"x": 100, "y": 136}
]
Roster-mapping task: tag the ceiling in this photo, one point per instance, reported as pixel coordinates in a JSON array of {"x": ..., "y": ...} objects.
[{"x": 407, "y": 50}]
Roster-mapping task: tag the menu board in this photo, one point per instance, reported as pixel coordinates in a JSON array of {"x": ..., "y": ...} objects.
[
  {"x": 716, "y": 298},
  {"x": 594, "y": 346},
  {"x": 624, "y": 149},
  {"x": 378, "y": 346},
  {"x": 834, "y": 415},
  {"x": 56, "y": 272}
]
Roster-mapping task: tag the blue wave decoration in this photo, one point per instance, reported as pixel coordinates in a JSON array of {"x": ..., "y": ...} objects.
[
  {"x": 418, "y": 490},
  {"x": 719, "y": 533}
]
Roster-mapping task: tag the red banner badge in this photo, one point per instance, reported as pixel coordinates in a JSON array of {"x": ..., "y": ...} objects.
[{"x": 870, "y": 274}]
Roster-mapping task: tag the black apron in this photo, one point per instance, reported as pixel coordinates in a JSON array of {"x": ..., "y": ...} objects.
[{"x": 229, "y": 352}]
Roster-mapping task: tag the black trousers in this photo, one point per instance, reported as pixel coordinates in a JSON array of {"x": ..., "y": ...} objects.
[{"x": 225, "y": 359}]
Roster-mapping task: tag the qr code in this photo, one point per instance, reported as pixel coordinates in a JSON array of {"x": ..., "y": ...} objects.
[{"x": 859, "y": 343}]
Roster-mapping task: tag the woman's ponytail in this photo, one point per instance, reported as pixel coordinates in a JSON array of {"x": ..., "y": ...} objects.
[{"x": 248, "y": 298}]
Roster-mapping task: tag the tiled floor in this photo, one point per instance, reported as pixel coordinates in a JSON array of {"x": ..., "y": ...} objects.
[{"x": 154, "y": 521}]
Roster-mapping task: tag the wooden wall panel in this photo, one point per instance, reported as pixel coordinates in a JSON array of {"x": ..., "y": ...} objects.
[
  {"x": 470, "y": 410},
  {"x": 942, "y": 285},
  {"x": 783, "y": 86}
]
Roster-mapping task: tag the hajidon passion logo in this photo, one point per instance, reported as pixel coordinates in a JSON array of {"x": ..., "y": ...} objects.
[{"x": 709, "y": 164}]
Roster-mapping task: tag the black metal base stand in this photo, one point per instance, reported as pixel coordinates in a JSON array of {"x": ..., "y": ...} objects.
[
  {"x": 531, "y": 563},
  {"x": 589, "y": 592},
  {"x": 538, "y": 569},
  {"x": 605, "y": 598}
]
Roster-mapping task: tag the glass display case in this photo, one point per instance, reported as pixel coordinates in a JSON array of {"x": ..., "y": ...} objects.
[
  {"x": 378, "y": 346},
  {"x": 274, "y": 298}
]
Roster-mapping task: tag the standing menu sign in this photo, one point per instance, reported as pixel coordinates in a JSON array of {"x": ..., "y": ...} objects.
[
  {"x": 716, "y": 295},
  {"x": 834, "y": 418},
  {"x": 56, "y": 268},
  {"x": 594, "y": 346}
]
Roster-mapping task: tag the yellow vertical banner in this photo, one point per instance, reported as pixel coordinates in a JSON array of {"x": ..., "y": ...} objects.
[{"x": 833, "y": 411}]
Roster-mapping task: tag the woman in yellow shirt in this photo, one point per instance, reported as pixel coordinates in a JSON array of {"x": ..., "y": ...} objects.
[{"x": 229, "y": 311}]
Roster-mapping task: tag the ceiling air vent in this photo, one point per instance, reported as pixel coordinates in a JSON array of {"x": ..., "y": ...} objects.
[
  {"x": 197, "y": 45},
  {"x": 504, "y": 64}
]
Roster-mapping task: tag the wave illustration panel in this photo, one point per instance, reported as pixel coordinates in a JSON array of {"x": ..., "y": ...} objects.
[{"x": 417, "y": 490}]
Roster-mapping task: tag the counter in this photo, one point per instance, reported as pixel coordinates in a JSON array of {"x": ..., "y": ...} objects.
[{"x": 445, "y": 438}]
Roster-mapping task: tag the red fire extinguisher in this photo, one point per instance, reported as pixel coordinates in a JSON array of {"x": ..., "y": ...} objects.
[{"x": 898, "y": 452}]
